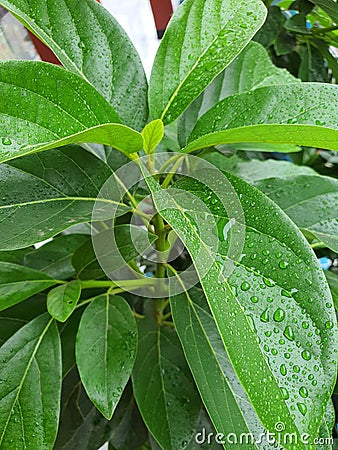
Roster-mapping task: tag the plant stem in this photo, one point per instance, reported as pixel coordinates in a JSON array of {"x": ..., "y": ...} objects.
[{"x": 92, "y": 284}]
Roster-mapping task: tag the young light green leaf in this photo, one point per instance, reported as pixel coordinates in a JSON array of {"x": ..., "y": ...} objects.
[
  {"x": 285, "y": 114},
  {"x": 46, "y": 193},
  {"x": 44, "y": 106},
  {"x": 210, "y": 367},
  {"x": 250, "y": 70},
  {"x": 17, "y": 283},
  {"x": 274, "y": 284},
  {"x": 202, "y": 38},
  {"x": 62, "y": 300},
  {"x": 89, "y": 42},
  {"x": 30, "y": 386},
  {"x": 163, "y": 386},
  {"x": 310, "y": 201},
  {"x": 152, "y": 134},
  {"x": 106, "y": 347},
  {"x": 55, "y": 257}
]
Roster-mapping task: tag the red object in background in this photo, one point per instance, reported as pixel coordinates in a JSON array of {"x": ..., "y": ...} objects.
[
  {"x": 162, "y": 11},
  {"x": 44, "y": 52}
]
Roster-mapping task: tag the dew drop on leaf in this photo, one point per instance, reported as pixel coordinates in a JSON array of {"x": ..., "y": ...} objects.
[
  {"x": 306, "y": 355},
  {"x": 302, "y": 408},
  {"x": 289, "y": 334},
  {"x": 279, "y": 315},
  {"x": 245, "y": 286}
]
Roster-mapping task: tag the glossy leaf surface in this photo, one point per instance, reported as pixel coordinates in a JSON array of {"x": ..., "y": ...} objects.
[
  {"x": 44, "y": 106},
  {"x": 202, "y": 38},
  {"x": 90, "y": 42},
  {"x": 275, "y": 285},
  {"x": 31, "y": 386},
  {"x": 106, "y": 347},
  {"x": 286, "y": 114}
]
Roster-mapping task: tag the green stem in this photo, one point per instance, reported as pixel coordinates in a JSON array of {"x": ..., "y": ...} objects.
[{"x": 92, "y": 284}]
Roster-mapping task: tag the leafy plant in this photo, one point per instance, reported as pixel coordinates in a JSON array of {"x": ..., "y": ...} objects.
[{"x": 225, "y": 329}]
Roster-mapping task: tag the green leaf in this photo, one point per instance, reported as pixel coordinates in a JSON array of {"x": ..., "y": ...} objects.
[
  {"x": 273, "y": 25},
  {"x": 210, "y": 366},
  {"x": 46, "y": 193},
  {"x": 163, "y": 386},
  {"x": 62, "y": 300},
  {"x": 105, "y": 350},
  {"x": 17, "y": 283},
  {"x": 201, "y": 40},
  {"x": 329, "y": 6},
  {"x": 274, "y": 312},
  {"x": 310, "y": 202},
  {"x": 312, "y": 66},
  {"x": 55, "y": 257},
  {"x": 250, "y": 70},
  {"x": 31, "y": 386},
  {"x": 15, "y": 256},
  {"x": 297, "y": 24},
  {"x": 68, "y": 331},
  {"x": 291, "y": 114},
  {"x": 152, "y": 134},
  {"x": 89, "y": 41},
  {"x": 44, "y": 106}
]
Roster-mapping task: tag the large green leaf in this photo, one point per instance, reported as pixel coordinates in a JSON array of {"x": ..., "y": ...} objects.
[
  {"x": 211, "y": 368},
  {"x": 90, "y": 42},
  {"x": 302, "y": 114},
  {"x": 44, "y": 106},
  {"x": 202, "y": 38},
  {"x": 310, "y": 201},
  {"x": 105, "y": 350},
  {"x": 274, "y": 312},
  {"x": 30, "y": 386},
  {"x": 163, "y": 386},
  {"x": 250, "y": 70},
  {"x": 17, "y": 283},
  {"x": 46, "y": 193},
  {"x": 55, "y": 257}
]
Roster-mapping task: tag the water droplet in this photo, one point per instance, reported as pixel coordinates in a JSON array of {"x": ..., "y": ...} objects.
[
  {"x": 303, "y": 392},
  {"x": 296, "y": 368},
  {"x": 6, "y": 141},
  {"x": 279, "y": 315},
  {"x": 283, "y": 264},
  {"x": 254, "y": 299},
  {"x": 245, "y": 286},
  {"x": 283, "y": 369},
  {"x": 306, "y": 355},
  {"x": 265, "y": 315},
  {"x": 289, "y": 334},
  {"x": 302, "y": 408},
  {"x": 285, "y": 393},
  {"x": 329, "y": 324}
]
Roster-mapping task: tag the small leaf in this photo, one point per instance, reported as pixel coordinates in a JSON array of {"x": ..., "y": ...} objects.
[
  {"x": 284, "y": 114},
  {"x": 48, "y": 107},
  {"x": 202, "y": 38},
  {"x": 163, "y": 386},
  {"x": 30, "y": 386},
  {"x": 310, "y": 202},
  {"x": 90, "y": 42},
  {"x": 62, "y": 300},
  {"x": 17, "y": 283},
  {"x": 105, "y": 350},
  {"x": 152, "y": 134}
]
